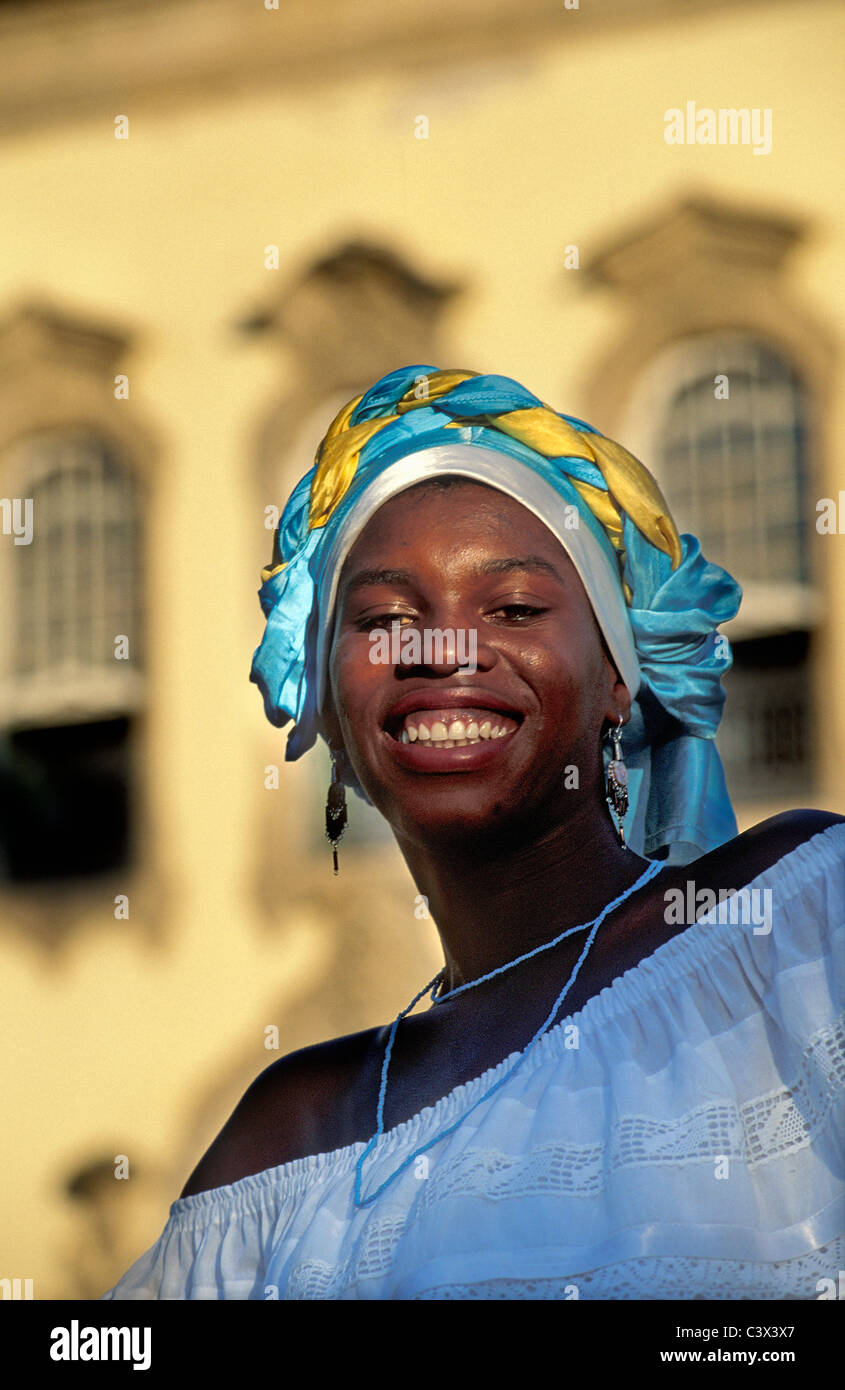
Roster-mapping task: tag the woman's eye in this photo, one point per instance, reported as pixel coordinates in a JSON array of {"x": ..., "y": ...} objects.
[
  {"x": 384, "y": 620},
  {"x": 518, "y": 611}
]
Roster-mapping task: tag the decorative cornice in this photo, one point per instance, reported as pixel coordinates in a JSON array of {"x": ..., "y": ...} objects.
[
  {"x": 35, "y": 331},
  {"x": 58, "y": 371},
  {"x": 342, "y": 277},
  {"x": 82, "y": 59},
  {"x": 696, "y": 230}
]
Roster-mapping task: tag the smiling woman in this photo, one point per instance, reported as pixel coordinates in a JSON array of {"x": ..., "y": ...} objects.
[
  {"x": 601, "y": 1101},
  {"x": 534, "y": 705}
]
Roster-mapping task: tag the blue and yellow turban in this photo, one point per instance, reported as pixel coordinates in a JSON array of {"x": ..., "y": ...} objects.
[{"x": 657, "y": 600}]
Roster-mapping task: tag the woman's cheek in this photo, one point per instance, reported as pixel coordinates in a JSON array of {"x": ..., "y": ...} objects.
[{"x": 353, "y": 678}]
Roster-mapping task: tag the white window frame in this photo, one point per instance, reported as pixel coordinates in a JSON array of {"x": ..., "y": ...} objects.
[
  {"x": 767, "y": 607},
  {"x": 70, "y": 690}
]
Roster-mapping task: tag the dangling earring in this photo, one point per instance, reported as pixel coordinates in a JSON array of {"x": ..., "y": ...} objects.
[
  {"x": 617, "y": 784},
  {"x": 335, "y": 811}
]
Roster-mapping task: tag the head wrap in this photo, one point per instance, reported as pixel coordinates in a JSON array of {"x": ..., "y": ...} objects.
[{"x": 657, "y": 601}]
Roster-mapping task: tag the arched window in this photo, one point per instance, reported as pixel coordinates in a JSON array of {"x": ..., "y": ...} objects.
[
  {"x": 71, "y": 657},
  {"x": 721, "y": 419},
  {"x": 732, "y": 452}
]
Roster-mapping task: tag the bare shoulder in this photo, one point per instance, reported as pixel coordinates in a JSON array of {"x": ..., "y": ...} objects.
[
  {"x": 286, "y": 1112},
  {"x": 761, "y": 846},
  {"x": 639, "y": 931}
]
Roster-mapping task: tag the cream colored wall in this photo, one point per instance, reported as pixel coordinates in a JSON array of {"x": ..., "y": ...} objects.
[{"x": 113, "y": 1037}]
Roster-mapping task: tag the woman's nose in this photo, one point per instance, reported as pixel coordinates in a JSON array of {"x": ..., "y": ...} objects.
[{"x": 444, "y": 647}]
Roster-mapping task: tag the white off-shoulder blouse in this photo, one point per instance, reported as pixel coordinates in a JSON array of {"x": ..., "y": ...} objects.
[{"x": 690, "y": 1146}]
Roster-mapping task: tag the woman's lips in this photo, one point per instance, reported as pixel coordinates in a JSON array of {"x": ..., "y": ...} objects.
[{"x": 451, "y": 739}]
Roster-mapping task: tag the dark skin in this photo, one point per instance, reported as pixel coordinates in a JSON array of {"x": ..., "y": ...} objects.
[{"x": 506, "y": 852}]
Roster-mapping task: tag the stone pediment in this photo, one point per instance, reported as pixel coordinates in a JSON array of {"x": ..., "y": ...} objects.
[
  {"x": 696, "y": 233},
  {"x": 36, "y": 331}
]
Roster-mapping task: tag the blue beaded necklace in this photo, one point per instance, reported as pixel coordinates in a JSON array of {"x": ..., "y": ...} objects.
[{"x": 653, "y": 869}]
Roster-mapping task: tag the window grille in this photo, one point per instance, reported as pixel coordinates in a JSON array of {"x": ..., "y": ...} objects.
[{"x": 66, "y": 698}]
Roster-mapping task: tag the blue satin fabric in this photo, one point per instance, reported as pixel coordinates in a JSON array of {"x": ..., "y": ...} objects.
[{"x": 679, "y": 804}]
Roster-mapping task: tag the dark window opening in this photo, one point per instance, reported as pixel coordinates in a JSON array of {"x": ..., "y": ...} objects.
[
  {"x": 766, "y": 738},
  {"x": 64, "y": 809}
]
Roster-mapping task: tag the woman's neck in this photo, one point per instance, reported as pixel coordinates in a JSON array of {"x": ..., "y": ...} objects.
[{"x": 492, "y": 902}]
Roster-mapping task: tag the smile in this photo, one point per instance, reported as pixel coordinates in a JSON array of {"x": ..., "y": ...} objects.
[
  {"x": 450, "y": 728},
  {"x": 450, "y": 739}
]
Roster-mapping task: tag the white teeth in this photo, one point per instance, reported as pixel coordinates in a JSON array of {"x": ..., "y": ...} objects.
[
  {"x": 445, "y": 742},
  {"x": 455, "y": 733}
]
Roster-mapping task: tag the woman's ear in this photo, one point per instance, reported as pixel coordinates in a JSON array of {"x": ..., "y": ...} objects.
[{"x": 618, "y": 703}]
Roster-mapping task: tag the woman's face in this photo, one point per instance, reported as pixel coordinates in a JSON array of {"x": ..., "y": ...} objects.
[{"x": 470, "y": 558}]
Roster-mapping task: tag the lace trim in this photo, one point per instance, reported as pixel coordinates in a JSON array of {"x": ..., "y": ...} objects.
[
  {"x": 788, "y": 1118},
  {"x": 656, "y": 1277},
  {"x": 766, "y": 1128}
]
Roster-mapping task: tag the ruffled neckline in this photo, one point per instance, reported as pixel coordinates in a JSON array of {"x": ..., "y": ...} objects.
[{"x": 694, "y": 947}]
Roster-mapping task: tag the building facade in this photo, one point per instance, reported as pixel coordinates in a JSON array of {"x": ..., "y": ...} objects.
[{"x": 222, "y": 221}]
